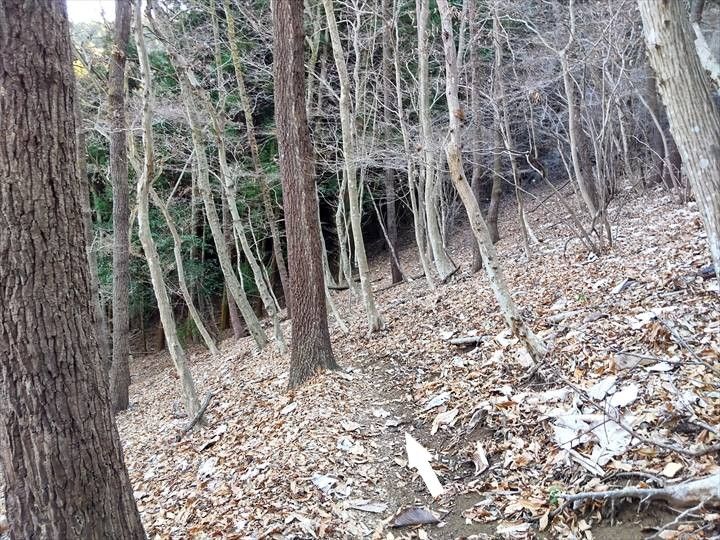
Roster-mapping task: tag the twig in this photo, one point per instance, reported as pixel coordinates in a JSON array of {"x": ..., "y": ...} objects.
[
  {"x": 679, "y": 519},
  {"x": 197, "y": 418},
  {"x": 681, "y": 341}
]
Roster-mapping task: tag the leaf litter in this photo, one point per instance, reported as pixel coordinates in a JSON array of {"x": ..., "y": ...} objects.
[{"x": 633, "y": 375}]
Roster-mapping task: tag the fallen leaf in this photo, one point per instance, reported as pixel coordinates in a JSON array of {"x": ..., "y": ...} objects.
[
  {"x": 419, "y": 458},
  {"x": 671, "y": 469},
  {"x": 480, "y": 459}
]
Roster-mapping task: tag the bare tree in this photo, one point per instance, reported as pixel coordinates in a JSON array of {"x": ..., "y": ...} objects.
[
  {"x": 59, "y": 448},
  {"x": 533, "y": 344},
  {"x": 311, "y": 350},
  {"x": 177, "y": 353}
]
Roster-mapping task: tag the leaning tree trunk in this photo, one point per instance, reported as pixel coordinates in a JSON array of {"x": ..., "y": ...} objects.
[
  {"x": 520, "y": 329},
  {"x": 375, "y": 322},
  {"x": 177, "y": 353},
  {"x": 182, "y": 281},
  {"x": 311, "y": 350},
  {"x": 694, "y": 118},
  {"x": 120, "y": 368},
  {"x": 64, "y": 475}
]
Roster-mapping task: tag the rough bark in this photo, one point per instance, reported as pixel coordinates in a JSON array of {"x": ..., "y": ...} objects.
[
  {"x": 167, "y": 318},
  {"x": 120, "y": 367},
  {"x": 520, "y": 329},
  {"x": 694, "y": 118},
  {"x": 475, "y": 103},
  {"x": 59, "y": 447},
  {"x": 311, "y": 350},
  {"x": 375, "y": 322}
]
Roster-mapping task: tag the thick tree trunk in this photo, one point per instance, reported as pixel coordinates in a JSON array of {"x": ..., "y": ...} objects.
[
  {"x": 177, "y": 353},
  {"x": 120, "y": 368},
  {"x": 59, "y": 448},
  {"x": 311, "y": 350},
  {"x": 520, "y": 329},
  {"x": 375, "y": 322},
  {"x": 694, "y": 118}
]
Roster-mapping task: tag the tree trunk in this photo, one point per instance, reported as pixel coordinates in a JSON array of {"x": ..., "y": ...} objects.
[
  {"x": 232, "y": 308},
  {"x": 415, "y": 201},
  {"x": 177, "y": 353},
  {"x": 375, "y": 322},
  {"x": 311, "y": 350},
  {"x": 443, "y": 264},
  {"x": 59, "y": 447},
  {"x": 389, "y": 173},
  {"x": 255, "y": 154},
  {"x": 694, "y": 118},
  {"x": 120, "y": 368},
  {"x": 533, "y": 344},
  {"x": 497, "y": 186},
  {"x": 475, "y": 102},
  {"x": 182, "y": 282}
]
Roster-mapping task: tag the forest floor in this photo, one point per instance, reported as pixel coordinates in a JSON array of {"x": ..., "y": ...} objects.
[{"x": 635, "y": 336}]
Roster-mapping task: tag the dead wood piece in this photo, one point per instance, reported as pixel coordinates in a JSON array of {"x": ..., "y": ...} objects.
[
  {"x": 560, "y": 317},
  {"x": 467, "y": 341},
  {"x": 704, "y": 490},
  {"x": 198, "y": 417}
]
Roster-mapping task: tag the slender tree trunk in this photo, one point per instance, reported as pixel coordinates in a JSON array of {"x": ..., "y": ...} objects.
[
  {"x": 443, "y": 264},
  {"x": 497, "y": 185},
  {"x": 177, "y": 353},
  {"x": 254, "y": 153},
  {"x": 59, "y": 448},
  {"x": 694, "y": 117},
  {"x": 520, "y": 329},
  {"x": 120, "y": 368},
  {"x": 311, "y": 350},
  {"x": 177, "y": 251},
  {"x": 232, "y": 309},
  {"x": 375, "y": 322},
  {"x": 415, "y": 201},
  {"x": 389, "y": 173},
  {"x": 475, "y": 104}
]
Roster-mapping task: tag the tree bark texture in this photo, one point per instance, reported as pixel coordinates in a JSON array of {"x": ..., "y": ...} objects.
[
  {"x": 59, "y": 448},
  {"x": 120, "y": 366},
  {"x": 694, "y": 118},
  {"x": 311, "y": 350}
]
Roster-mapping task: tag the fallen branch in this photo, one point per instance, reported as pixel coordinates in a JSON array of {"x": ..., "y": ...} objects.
[
  {"x": 197, "y": 418},
  {"x": 692, "y": 492},
  {"x": 466, "y": 341}
]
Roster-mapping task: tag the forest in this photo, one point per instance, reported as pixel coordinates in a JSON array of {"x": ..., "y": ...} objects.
[{"x": 384, "y": 269}]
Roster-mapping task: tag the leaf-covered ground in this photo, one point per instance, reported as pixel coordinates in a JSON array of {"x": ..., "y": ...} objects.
[{"x": 635, "y": 339}]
